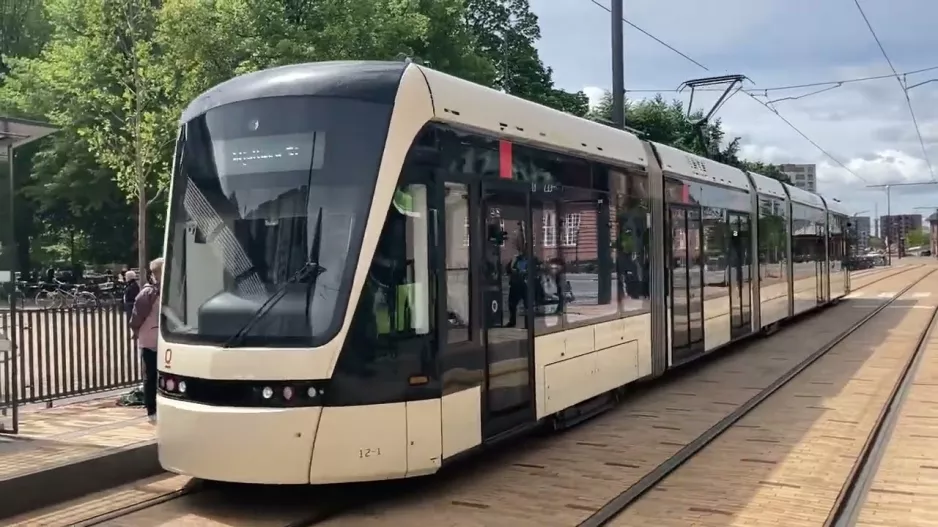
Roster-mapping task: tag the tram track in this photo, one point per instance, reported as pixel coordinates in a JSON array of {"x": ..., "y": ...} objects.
[
  {"x": 382, "y": 503},
  {"x": 841, "y": 511},
  {"x": 653, "y": 479},
  {"x": 849, "y": 503}
]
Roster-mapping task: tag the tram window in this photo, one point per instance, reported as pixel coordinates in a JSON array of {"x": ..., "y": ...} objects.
[
  {"x": 716, "y": 247},
  {"x": 628, "y": 222},
  {"x": 398, "y": 284},
  {"x": 587, "y": 256},
  {"x": 550, "y": 292},
  {"x": 458, "y": 241},
  {"x": 540, "y": 166},
  {"x": 773, "y": 239}
]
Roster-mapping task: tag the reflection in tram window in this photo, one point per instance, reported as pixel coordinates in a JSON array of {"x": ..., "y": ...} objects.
[
  {"x": 629, "y": 221},
  {"x": 773, "y": 240},
  {"x": 807, "y": 229},
  {"x": 456, "y": 257},
  {"x": 398, "y": 282},
  {"x": 550, "y": 293}
]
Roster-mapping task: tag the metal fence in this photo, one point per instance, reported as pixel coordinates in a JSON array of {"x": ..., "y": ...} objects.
[{"x": 64, "y": 352}]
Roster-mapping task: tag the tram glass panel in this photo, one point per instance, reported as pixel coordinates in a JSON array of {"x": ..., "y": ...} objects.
[
  {"x": 269, "y": 199},
  {"x": 836, "y": 254},
  {"x": 631, "y": 220},
  {"x": 773, "y": 259},
  {"x": 807, "y": 255}
]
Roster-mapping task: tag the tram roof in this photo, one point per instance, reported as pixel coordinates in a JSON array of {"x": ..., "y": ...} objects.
[
  {"x": 366, "y": 80},
  {"x": 803, "y": 197},
  {"x": 768, "y": 186},
  {"x": 677, "y": 162},
  {"x": 836, "y": 206}
]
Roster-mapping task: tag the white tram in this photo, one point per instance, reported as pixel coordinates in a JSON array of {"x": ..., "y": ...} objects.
[{"x": 372, "y": 268}]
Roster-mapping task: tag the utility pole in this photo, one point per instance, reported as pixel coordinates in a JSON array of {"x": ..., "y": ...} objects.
[{"x": 618, "y": 65}]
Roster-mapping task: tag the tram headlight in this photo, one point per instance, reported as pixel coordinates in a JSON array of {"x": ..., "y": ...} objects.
[
  {"x": 170, "y": 385},
  {"x": 311, "y": 392},
  {"x": 182, "y": 386},
  {"x": 267, "y": 392},
  {"x": 287, "y": 393}
]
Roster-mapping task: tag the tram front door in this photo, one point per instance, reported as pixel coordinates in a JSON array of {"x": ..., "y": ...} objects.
[{"x": 508, "y": 319}]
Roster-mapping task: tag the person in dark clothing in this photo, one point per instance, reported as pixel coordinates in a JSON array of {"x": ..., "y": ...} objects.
[
  {"x": 131, "y": 290},
  {"x": 517, "y": 287}
]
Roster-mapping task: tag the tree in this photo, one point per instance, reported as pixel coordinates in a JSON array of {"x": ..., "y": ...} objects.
[
  {"x": 506, "y": 32},
  {"x": 916, "y": 238},
  {"x": 23, "y": 30},
  {"x": 669, "y": 124},
  {"x": 100, "y": 78},
  {"x": 766, "y": 169}
]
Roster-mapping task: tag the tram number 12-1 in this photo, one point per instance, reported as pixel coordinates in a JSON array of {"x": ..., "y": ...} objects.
[{"x": 368, "y": 452}]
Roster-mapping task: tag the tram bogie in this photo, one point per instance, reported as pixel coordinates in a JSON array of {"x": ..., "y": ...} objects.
[{"x": 374, "y": 268}]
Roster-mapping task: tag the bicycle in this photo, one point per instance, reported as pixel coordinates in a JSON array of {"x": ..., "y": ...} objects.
[{"x": 65, "y": 295}]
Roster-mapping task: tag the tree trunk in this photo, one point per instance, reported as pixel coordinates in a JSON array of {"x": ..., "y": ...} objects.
[{"x": 141, "y": 177}]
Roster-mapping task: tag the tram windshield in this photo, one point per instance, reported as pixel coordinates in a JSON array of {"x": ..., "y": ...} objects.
[{"x": 254, "y": 183}]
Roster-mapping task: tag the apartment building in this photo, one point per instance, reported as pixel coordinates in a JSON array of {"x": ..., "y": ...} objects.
[
  {"x": 896, "y": 227},
  {"x": 862, "y": 233},
  {"x": 803, "y": 176}
]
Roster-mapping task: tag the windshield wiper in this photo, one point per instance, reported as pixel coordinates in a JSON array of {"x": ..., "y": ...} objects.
[{"x": 311, "y": 270}]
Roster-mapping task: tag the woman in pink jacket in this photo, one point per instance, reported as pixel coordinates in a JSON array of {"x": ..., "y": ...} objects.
[{"x": 145, "y": 325}]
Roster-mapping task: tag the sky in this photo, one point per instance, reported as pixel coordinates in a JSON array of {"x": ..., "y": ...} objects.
[{"x": 866, "y": 126}]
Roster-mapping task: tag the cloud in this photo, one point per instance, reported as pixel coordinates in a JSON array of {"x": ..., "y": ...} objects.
[
  {"x": 595, "y": 95},
  {"x": 864, "y": 125}
]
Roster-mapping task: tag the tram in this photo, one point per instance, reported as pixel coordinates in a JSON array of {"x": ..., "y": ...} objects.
[{"x": 373, "y": 268}]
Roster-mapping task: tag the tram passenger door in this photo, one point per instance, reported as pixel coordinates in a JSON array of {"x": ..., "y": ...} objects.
[
  {"x": 685, "y": 284},
  {"x": 740, "y": 279},
  {"x": 508, "y": 314}
]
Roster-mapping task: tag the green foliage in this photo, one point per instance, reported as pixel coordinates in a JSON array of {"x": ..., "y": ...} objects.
[
  {"x": 668, "y": 123},
  {"x": 916, "y": 238},
  {"x": 505, "y": 33}
]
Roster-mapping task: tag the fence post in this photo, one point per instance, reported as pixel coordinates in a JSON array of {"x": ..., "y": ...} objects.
[{"x": 8, "y": 354}]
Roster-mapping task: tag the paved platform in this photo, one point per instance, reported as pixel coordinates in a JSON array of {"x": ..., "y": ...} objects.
[
  {"x": 71, "y": 450},
  {"x": 904, "y": 490}
]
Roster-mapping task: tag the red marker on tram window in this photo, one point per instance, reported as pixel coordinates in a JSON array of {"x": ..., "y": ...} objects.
[{"x": 504, "y": 159}]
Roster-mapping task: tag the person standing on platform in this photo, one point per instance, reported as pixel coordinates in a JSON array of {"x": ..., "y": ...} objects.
[
  {"x": 131, "y": 290},
  {"x": 145, "y": 324}
]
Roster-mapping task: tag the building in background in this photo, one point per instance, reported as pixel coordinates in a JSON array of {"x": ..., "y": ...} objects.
[
  {"x": 861, "y": 230},
  {"x": 896, "y": 227},
  {"x": 803, "y": 176}
]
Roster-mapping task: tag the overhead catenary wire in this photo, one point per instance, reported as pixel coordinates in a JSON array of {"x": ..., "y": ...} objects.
[
  {"x": 698, "y": 64},
  {"x": 649, "y": 35},
  {"x": 905, "y": 91},
  {"x": 818, "y": 84}
]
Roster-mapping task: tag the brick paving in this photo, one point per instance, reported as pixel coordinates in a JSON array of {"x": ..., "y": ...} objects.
[
  {"x": 785, "y": 463},
  {"x": 68, "y": 433},
  {"x": 905, "y": 487}
]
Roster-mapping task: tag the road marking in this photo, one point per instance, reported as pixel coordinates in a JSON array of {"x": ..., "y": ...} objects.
[
  {"x": 886, "y": 295},
  {"x": 856, "y": 294},
  {"x": 921, "y": 294}
]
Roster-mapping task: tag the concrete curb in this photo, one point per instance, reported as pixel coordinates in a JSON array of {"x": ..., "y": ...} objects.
[{"x": 28, "y": 492}]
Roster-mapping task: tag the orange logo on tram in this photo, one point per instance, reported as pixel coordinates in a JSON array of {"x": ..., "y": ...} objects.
[{"x": 167, "y": 358}]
